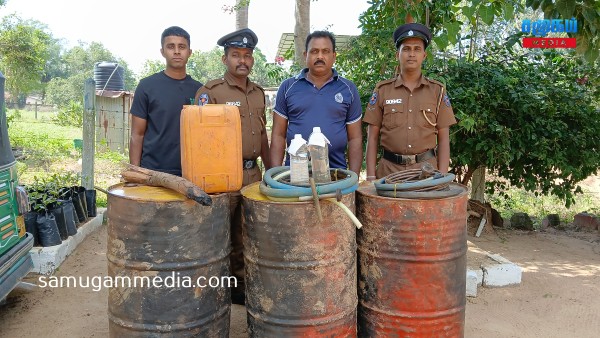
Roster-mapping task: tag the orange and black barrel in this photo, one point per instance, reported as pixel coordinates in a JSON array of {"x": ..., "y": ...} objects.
[
  {"x": 164, "y": 253},
  {"x": 411, "y": 265},
  {"x": 300, "y": 273}
]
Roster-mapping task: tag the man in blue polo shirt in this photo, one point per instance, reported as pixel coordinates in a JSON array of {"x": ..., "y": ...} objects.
[{"x": 319, "y": 97}]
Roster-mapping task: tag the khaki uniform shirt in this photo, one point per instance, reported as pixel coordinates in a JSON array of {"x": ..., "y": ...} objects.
[
  {"x": 409, "y": 120},
  {"x": 251, "y": 105}
]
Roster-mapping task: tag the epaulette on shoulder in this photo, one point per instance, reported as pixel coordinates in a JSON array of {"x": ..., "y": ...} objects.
[
  {"x": 384, "y": 82},
  {"x": 436, "y": 82},
  {"x": 210, "y": 84},
  {"x": 259, "y": 87}
]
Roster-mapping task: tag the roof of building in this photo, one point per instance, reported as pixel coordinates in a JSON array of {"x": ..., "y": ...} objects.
[{"x": 286, "y": 42}]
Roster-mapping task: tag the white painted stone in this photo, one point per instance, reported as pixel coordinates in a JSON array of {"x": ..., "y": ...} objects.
[
  {"x": 471, "y": 283},
  {"x": 479, "y": 273},
  {"x": 501, "y": 273},
  {"x": 47, "y": 259}
]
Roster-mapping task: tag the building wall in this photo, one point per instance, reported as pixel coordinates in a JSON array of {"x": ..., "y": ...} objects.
[{"x": 113, "y": 122}]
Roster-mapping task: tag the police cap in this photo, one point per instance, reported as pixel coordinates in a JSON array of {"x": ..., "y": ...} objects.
[
  {"x": 243, "y": 38},
  {"x": 412, "y": 30}
]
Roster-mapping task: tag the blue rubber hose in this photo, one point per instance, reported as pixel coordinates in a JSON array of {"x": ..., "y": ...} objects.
[
  {"x": 446, "y": 178},
  {"x": 271, "y": 187}
]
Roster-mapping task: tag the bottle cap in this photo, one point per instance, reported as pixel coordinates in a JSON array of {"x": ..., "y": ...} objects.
[
  {"x": 317, "y": 138},
  {"x": 296, "y": 143}
]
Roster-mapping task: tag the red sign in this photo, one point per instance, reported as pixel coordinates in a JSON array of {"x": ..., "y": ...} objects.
[{"x": 549, "y": 42}]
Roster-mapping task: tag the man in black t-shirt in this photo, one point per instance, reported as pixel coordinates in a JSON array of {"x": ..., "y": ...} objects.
[{"x": 157, "y": 104}]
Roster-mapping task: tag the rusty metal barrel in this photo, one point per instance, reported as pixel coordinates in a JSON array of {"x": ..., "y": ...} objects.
[
  {"x": 411, "y": 265},
  {"x": 300, "y": 273},
  {"x": 163, "y": 250}
]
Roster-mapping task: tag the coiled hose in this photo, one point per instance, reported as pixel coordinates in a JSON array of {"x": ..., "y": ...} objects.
[
  {"x": 409, "y": 184},
  {"x": 276, "y": 190}
]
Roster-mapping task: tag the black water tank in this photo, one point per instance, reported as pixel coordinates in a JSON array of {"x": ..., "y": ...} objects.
[{"x": 109, "y": 76}]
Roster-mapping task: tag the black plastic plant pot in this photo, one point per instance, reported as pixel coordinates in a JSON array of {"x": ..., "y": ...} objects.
[
  {"x": 81, "y": 193},
  {"x": 72, "y": 196},
  {"x": 58, "y": 211},
  {"x": 31, "y": 226},
  {"x": 64, "y": 193},
  {"x": 81, "y": 215},
  {"x": 75, "y": 217},
  {"x": 48, "y": 230},
  {"x": 70, "y": 216},
  {"x": 90, "y": 202}
]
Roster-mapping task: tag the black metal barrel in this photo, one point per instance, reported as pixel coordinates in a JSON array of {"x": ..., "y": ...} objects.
[
  {"x": 155, "y": 234},
  {"x": 300, "y": 273}
]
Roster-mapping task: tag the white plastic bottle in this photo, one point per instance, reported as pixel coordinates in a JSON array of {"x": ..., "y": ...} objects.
[
  {"x": 298, "y": 151},
  {"x": 319, "y": 156}
]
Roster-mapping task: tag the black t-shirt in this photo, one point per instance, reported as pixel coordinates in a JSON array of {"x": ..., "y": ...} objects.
[{"x": 159, "y": 99}]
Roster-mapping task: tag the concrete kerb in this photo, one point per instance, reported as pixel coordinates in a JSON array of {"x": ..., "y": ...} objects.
[
  {"x": 47, "y": 259},
  {"x": 490, "y": 270}
]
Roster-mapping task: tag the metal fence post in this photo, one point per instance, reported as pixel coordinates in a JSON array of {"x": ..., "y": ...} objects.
[{"x": 89, "y": 139}]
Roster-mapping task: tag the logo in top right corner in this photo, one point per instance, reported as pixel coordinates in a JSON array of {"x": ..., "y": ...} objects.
[{"x": 540, "y": 29}]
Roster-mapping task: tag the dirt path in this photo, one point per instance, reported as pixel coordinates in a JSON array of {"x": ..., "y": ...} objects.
[
  {"x": 560, "y": 291},
  {"x": 559, "y": 295}
]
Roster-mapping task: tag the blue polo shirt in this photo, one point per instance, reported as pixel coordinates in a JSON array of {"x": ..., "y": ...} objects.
[{"x": 332, "y": 107}]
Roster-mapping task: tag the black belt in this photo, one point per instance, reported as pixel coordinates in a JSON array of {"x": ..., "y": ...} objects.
[
  {"x": 249, "y": 164},
  {"x": 409, "y": 159}
]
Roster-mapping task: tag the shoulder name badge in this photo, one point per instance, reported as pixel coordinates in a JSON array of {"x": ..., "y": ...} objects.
[
  {"x": 235, "y": 103},
  {"x": 203, "y": 99},
  {"x": 373, "y": 99},
  {"x": 446, "y": 100}
]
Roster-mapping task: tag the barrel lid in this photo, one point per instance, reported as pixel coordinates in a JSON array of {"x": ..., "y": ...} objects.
[
  {"x": 145, "y": 193},
  {"x": 252, "y": 192},
  {"x": 368, "y": 189}
]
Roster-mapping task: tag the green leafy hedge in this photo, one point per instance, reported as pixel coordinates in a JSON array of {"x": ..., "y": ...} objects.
[{"x": 530, "y": 118}]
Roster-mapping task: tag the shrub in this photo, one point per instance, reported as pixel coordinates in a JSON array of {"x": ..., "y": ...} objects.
[{"x": 70, "y": 115}]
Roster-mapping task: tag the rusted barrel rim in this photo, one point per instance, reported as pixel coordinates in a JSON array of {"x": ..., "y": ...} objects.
[
  {"x": 412, "y": 258},
  {"x": 145, "y": 266},
  {"x": 415, "y": 314},
  {"x": 289, "y": 322},
  {"x": 305, "y": 265},
  {"x": 269, "y": 201},
  {"x": 374, "y": 195},
  {"x": 142, "y": 199},
  {"x": 168, "y": 328}
]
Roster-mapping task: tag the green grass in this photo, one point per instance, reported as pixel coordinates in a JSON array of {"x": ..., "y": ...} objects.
[
  {"x": 538, "y": 207},
  {"x": 41, "y": 140},
  {"x": 48, "y": 148}
]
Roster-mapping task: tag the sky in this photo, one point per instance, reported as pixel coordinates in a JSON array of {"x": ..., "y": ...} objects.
[{"x": 131, "y": 29}]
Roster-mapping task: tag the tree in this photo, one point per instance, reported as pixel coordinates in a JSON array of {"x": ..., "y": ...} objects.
[
  {"x": 206, "y": 66},
  {"x": 530, "y": 119},
  {"x": 508, "y": 127},
  {"x": 241, "y": 14},
  {"x": 78, "y": 64},
  {"x": 301, "y": 30},
  {"x": 587, "y": 12},
  {"x": 24, "y": 50},
  {"x": 54, "y": 66}
]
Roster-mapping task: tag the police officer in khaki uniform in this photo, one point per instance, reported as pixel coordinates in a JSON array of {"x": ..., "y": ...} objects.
[
  {"x": 234, "y": 88},
  {"x": 410, "y": 112}
]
